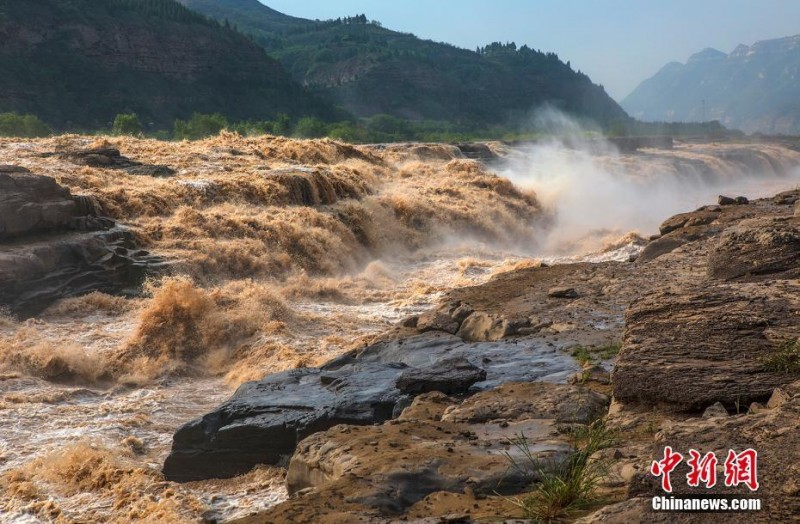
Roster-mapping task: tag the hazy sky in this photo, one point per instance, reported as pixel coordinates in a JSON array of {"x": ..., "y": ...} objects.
[{"x": 618, "y": 43}]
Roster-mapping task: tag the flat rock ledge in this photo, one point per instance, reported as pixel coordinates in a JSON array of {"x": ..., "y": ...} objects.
[{"x": 265, "y": 420}]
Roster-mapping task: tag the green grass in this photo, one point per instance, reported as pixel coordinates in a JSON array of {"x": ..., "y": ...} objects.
[
  {"x": 586, "y": 355},
  {"x": 786, "y": 359},
  {"x": 566, "y": 485}
]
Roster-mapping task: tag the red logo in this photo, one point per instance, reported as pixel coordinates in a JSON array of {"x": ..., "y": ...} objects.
[
  {"x": 703, "y": 469},
  {"x": 663, "y": 468},
  {"x": 740, "y": 468}
]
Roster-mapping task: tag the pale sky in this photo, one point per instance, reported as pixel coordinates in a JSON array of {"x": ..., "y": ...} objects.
[{"x": 618, "y": 43}]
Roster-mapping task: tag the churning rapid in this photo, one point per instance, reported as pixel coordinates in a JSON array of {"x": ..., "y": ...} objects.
[{"x": 284, "y": 253}]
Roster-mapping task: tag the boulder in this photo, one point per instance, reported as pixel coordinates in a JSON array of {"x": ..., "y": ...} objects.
[
  {"x": 32, "y": 204},
  {"x": 483, "y": 327},
  {"x": 111, "y": 158},
  {"x": 562, "y": 292},
  {"x": 437, "y": 320},
  {"x": 687, "y": 348},
  {"x": 264, "y": 420},
  {"x": 52, "y": 245},
  {"x": 451, "y": 376},
  {"x": 715, "y": 410},
  {"x": 660, "y": 246},
  {"x": 755, "y": 249},
  {"x": 694, "y": 218}
]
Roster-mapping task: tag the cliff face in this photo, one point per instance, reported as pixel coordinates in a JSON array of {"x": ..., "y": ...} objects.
[
  {"x": 754, "y": 88},
  {"x": 81, "y": 62},
  {"x": 369, "y": 69}
]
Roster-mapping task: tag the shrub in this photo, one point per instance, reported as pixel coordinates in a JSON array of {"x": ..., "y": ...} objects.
[
  {"x": 199, "y": 126},
  {"x": 23, "y": 126},
  {"x": 310, "y": 127},
  {"x": 126, "y": 124},
  {"x": 786, "y": 359}
]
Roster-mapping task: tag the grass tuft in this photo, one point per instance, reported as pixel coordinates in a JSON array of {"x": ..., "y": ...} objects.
[
  {"x": 586, "y": 355},
  {"x": 562, "y": 485}
]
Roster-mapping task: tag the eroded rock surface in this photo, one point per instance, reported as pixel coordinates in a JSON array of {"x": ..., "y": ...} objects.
[
  {"x": 52, "y": 245},
  {"x": 691, "y": 347},
  {"x": 438, "y": 445},
  {"x": 32, "y": 203},
  {"x": 757, "y": 249}
]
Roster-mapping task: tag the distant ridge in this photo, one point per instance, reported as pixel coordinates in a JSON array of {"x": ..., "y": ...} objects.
[
  {"x": 370, "y": 70},
  {"x": 77, "y": 64},
  {"x": 754, "y": 88}
]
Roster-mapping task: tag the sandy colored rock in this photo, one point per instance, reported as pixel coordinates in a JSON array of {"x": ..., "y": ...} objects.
[
  {"x": 698, "y": 345},
  {"x": 756, "y": 249},
  {"x": 535, "y": 400}
]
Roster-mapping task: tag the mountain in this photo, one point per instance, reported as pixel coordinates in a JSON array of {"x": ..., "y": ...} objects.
[
  {"x": 78, "y": 63},
  {"x": 755, "y": 88},
  {"x": 368, "y": 69}
]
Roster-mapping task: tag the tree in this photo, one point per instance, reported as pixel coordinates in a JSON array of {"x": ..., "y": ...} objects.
[
  {"x": 282, "y": 125},
  {"x": 126, "y": 124},
  {"x": 200, "y": 126},
  {"x": 24, "y": 126},
  {"x": 310, "y": 127}
]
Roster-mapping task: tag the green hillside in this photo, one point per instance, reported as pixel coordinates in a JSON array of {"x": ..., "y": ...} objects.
[
  {"x": 77, "y": 63},
  {"x": 368, "y": 69}
]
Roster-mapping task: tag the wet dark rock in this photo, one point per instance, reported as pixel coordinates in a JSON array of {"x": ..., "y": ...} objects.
[
  {"x": 11, "y": 169},
  {"x": 102, "y": 157},
  {"x": 111, "y": 158},
  {"x": 264, "y": 420},
  {"x": 52, "y": 245},
  {"x": 729, "y": 201},
  {"x": 447, "y": 376},
  {"x": 476, "y": 151},
  {"x": 35, "y": 274},
  {"x": 155, "y": 170},
  {"x": 562, "y": 292}
]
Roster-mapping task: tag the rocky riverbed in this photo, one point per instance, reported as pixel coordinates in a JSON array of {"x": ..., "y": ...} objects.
[
  {"x": 703, "y": 315},
  {"x": 414, "y": 352}
]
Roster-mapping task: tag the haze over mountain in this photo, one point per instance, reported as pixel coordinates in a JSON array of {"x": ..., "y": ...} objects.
[
  {"x": 369, "y": 70},
  {"x": 755, "y": 88},
  {"x": 79, "y": 63}
]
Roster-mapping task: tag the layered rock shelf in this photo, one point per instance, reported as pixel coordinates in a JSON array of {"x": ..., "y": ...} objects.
[{"x": 54, "y": 245}]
